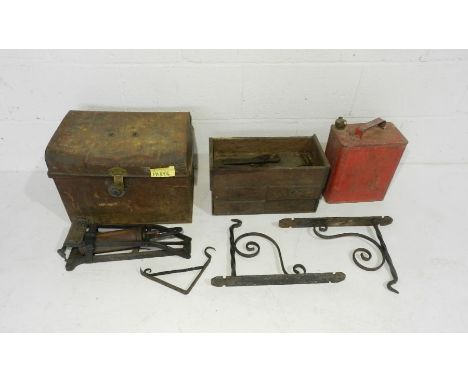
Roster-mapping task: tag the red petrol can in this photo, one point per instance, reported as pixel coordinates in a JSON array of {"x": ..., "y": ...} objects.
[{"x": 363, "y": 159}]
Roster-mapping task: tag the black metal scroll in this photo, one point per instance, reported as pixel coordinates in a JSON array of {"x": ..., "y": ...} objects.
[
  {"x": 252, "y": 248},
  {"x": 321, "y": 225}
]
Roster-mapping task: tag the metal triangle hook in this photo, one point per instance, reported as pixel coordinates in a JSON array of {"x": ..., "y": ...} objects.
[{"x": 154, "y": 276}]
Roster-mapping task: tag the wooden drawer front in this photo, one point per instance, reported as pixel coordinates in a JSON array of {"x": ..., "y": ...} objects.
[
  {"x": 240, "y": 194},
  {"x": 298, "y": 177},
  {"x": 296, "y": 193},
  {"x": 221, "y": 207}
]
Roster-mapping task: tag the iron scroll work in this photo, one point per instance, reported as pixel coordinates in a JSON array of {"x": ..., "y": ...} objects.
[
  {"x": 321, "y": 225},
  {"x": 300, "y": 276}
]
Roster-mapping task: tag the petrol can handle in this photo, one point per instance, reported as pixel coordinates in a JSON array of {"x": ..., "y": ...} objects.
[{"x": 362, "y": 128}]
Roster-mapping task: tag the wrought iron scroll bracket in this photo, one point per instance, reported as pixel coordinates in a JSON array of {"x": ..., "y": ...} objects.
[
  {"x": 252, "y": 249},
  {"x": 360, "y": 255}
]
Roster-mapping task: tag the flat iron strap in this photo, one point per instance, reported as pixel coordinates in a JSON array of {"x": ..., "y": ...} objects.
[
  {"x": 335, "y": 221},
  {"x": 290, "y": 279}
]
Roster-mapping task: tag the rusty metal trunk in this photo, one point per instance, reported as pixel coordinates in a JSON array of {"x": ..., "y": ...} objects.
[{"x": 124, "y": 167}]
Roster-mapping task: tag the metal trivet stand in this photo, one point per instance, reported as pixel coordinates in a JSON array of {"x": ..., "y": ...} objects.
[
  {"x": 253, "y": 248},
  {"x": 154, "y": 276},
  {"x": 95, "y": 243},
  {"x": 320, "y": 225}
]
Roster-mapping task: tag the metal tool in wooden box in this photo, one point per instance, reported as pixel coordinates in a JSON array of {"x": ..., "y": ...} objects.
[{"x": 258, "y": 175}]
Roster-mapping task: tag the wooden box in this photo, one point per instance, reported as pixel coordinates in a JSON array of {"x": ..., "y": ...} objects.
[
  {"x": 124, "y": 168},
  {"x": 266, "y": 175}
]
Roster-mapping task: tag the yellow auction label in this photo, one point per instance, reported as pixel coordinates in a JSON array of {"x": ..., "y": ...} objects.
[{"x": 162, "y": 172}]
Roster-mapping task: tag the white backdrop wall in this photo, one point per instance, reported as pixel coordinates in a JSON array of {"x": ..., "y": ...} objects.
[{"x": 238, "y": 93}]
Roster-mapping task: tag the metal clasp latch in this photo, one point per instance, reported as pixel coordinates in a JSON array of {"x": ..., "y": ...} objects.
[{"x": 117, "y": 187}]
